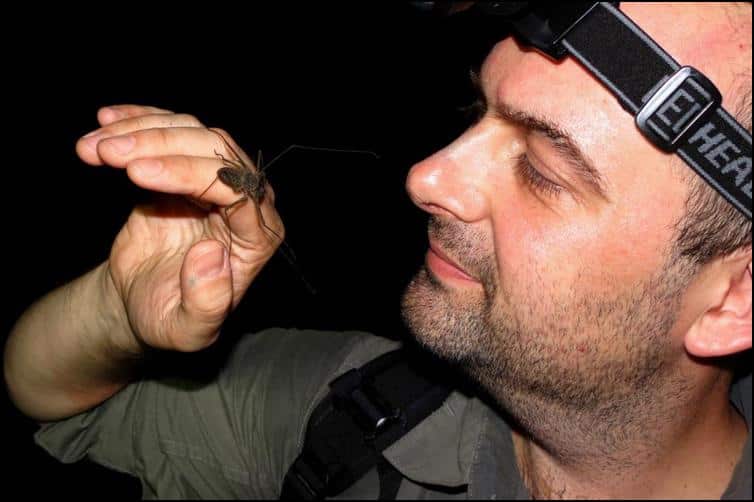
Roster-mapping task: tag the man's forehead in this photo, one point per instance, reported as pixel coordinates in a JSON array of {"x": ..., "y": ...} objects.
[
  {"x": 703, "y": 36},
  {"x": 560, "y": 92},
  {"x": 694, "y": 33},
  {"x": 713, "y": 37}
]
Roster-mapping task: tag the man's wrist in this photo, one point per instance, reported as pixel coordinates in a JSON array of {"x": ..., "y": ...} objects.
[{"x": 113, "y": 317}]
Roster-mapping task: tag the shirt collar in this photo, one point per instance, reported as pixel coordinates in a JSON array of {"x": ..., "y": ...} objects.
[
  {"x": 464, "y": 442},
  {"x": 740, "y": 484}
]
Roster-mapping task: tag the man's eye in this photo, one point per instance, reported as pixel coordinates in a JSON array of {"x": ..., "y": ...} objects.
[{"x": 533, "y": 178}]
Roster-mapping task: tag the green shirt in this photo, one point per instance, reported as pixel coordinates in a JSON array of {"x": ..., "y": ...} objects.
[{"x": 236, "y": 436}]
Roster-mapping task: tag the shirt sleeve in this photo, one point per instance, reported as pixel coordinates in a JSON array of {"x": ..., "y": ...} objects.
[{"x": 232, "y": 437}]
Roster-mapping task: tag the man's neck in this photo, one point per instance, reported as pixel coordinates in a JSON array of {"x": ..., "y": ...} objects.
[{"x": 689, "y": 454}]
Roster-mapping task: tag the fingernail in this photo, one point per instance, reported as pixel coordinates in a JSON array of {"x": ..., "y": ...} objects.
[
  {"x": 211, "y": 264},
  {"x": 91, "y": 140},
  {"x": 122, "y": 144},
  {"x": 108, "y": 115},
  {"x": 146, "y": 167}
]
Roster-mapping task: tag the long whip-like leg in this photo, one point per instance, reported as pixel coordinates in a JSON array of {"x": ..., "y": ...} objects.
[
  {"x": 257, "y": 196},
  {"x": 316, "y": 149}
]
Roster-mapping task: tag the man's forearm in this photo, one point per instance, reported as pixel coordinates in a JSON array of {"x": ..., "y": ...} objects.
[{"x": 70, "y": 350}]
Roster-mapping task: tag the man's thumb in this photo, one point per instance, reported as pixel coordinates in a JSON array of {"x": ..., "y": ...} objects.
[{"x": 206, "y": 293}]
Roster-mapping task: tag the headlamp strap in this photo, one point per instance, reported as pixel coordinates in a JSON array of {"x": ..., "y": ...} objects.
[{"x": 677, "y": 108}]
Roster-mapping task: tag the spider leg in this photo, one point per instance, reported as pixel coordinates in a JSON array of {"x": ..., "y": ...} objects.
[
  {"x": 264, "y": 224},
  {"x": 288, "y": 254},
  {"x": 205, "y": 190},
  {"x": 226, "y": 218},
  {"x": 317, "y": 149},
  {"x": 234, "y": 204},
  {"x": 290, "y": 257},
  {"x": 230, "y": 162},
  {"x": 227, "y": 144}
]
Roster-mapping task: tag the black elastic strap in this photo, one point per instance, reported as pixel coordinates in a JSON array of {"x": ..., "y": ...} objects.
[
  {"x": 367, "y": 410},
  {"x": 390, "y": 479},
  {"x": 677, "y": 108}
]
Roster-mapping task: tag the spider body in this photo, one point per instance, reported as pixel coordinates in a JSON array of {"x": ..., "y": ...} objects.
[{"x": 244, "y": 181}]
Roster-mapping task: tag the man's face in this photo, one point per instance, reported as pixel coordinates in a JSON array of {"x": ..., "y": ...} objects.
[{"x": 561, "y": 217}]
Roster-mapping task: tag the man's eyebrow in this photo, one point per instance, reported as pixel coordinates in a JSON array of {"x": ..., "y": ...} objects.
[{"x": 560, "y": 139}]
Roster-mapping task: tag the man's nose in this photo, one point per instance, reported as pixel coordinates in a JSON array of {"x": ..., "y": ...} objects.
[{"x": 454, "y": 182}]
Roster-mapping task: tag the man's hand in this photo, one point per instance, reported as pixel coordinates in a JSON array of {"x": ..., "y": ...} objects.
[
  {"x": 169, "y": 282},
  {"x": 171, "y": 265}
]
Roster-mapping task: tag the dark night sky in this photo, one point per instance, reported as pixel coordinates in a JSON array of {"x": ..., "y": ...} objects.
[{"x": 350, "y": 74}]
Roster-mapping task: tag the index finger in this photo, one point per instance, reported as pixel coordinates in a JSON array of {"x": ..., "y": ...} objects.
[{"x": 109, "y": 114}]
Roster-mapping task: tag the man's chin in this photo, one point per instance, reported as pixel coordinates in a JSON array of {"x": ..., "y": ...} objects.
[
  {"x": 420, "y": 303},
  {"x": 440, "y": 321}
]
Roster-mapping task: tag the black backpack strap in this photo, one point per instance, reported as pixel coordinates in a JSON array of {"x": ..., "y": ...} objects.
[
  {"x": 390, "y": 479},
  {"x": 367, "y": 410}
]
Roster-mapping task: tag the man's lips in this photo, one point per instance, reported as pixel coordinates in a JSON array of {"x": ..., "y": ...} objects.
[{"x": 445, "y": 266}]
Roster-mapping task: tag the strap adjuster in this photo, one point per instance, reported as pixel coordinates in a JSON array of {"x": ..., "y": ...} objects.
[
  {"x": 680, "y": 104},
  {"x": 369, "y": 410}
]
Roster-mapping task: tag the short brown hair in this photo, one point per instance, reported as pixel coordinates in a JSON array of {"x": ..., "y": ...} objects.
[{"x": 711, "y": 227}]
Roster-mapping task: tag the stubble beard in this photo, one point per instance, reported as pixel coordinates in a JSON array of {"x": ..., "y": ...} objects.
[{"x": 568, "y": 366}]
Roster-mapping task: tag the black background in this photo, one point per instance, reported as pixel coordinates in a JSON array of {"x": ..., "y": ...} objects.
[{"x": 374, "y": 76}]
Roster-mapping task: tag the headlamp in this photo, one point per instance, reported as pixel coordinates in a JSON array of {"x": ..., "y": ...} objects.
[{"x": 677, "y": 108}]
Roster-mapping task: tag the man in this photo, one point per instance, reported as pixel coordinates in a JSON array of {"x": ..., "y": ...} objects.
[{"x": 601, "y": 313}]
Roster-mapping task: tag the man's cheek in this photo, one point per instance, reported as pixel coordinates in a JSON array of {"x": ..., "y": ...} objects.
[
  {"x": 529, "y": 248},
  {"x": 642, "y": 230},
  {"x": 581, "y": 256},
  {"x": 620, "y": 245}
]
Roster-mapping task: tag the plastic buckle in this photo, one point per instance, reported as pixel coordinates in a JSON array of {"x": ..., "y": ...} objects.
[
  {"x": 371, "y": 412},
  {"x": 375, "y": 414},
  {"x": 680, "y": 104}
]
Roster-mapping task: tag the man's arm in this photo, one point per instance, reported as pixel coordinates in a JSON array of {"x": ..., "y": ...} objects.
[
  {"x": 229, "y": 435},
  {"x": 167, "y": 282},
  {"x": 71, "y": 350}
]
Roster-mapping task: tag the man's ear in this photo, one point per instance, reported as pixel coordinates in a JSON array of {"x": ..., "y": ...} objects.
[{"x": 725, "y": 328}]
